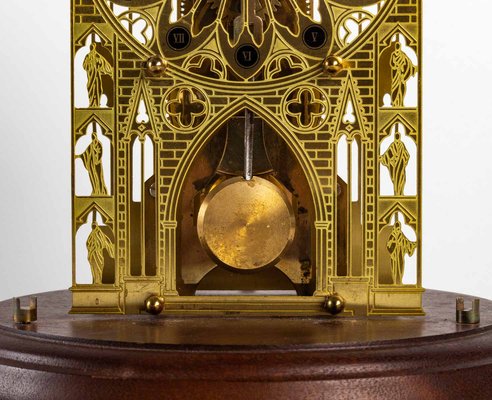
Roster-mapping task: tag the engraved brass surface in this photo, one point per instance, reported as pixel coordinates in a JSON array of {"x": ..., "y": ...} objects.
[
  {"x": 174, "y": 102},
  {"x": 246, "y": 224}
]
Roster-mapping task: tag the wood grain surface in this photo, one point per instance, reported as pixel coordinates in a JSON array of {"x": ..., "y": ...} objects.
[{"x": 64, "y": 356}]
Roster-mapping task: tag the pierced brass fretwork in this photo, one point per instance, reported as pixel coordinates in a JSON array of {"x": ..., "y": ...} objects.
[{"x": 247, "y": 156}]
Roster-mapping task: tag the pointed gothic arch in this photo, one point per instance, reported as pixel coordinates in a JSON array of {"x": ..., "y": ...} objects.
[
  {"x": 398, "y": 207},
  {"x": 82, "y": 218},
  {"x": 169, "y": 212},
  {"x": 203, "y": 136}
]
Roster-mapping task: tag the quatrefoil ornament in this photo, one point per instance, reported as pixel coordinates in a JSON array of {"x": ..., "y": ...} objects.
[
  {"x": 306, "y": 108},
  {"x": 185, "y": 108}
]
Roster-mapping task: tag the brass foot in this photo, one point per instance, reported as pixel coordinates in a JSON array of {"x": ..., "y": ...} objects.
[
  {"x": 154, "y": 305},
  {"x": 470, "y": 316},
  {"x": 25, "y": 315},
  {"x": 334, "y": 304}
]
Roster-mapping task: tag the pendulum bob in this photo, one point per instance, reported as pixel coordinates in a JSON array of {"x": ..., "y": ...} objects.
[
  {"x": 246, "y": 225},
  {"x": 240, "y": 235}
]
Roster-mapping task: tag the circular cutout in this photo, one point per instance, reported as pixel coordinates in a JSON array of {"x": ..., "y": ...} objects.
[
  {"x": 178, "y": 38},
  {"x": 246, "y": 224},
  {"x": 247, "y": 56},
  {"x": 314, "y": 36}
]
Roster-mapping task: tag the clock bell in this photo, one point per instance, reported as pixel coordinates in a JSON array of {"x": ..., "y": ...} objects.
[{"x": 247, "y": 156}]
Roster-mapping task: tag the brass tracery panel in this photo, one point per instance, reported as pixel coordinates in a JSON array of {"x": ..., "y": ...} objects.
[{"x": 344, "y": 149}]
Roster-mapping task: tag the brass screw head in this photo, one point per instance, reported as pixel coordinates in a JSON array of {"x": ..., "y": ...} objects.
[
  {"x": 154, "y": 305},
  {"x": 333, "y": 65},
  {"x": 156, "y": 66},
  {"x": 335, "y": 304}
]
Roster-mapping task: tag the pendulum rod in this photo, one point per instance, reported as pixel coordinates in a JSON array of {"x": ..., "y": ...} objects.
[
  {"x": 248, "y": 19},
  {"x": 249, "y": 124}
]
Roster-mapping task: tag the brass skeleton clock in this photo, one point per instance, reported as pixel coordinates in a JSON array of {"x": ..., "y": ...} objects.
[{"x": 246, "y": 156}]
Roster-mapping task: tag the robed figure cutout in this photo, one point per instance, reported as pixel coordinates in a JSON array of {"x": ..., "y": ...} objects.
[
  {"x": 92, "y": 158},
  {"x": 97, "y": 243},
  {"x": 396, "y": 160},
  {"x": 399, "y": 246},
  {"x": 98, "y": 68}
]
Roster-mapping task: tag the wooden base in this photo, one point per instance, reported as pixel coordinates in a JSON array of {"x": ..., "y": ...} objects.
[{"x": 64, "y": 356}]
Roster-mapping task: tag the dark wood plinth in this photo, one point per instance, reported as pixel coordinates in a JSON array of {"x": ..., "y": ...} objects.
[{"x": 142, "y": 357}]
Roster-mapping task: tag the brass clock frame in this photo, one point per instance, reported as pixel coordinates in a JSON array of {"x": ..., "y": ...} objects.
[{"x": 142, "y": 88}]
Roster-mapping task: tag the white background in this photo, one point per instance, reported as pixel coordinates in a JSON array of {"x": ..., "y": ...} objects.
[{"x": 35, "y": 171}]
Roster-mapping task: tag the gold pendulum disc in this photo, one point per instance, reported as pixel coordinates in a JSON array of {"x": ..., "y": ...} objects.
[{"x": 246, "y": 224}]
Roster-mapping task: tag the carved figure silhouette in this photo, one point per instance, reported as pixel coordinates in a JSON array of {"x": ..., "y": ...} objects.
[
  {"x": 396, "y": 160},
  {"x": 97, "y": 242},
  {"x": 96, "y": 67},
  {"x": 398, "y": 246},
  {"x": 92, "y": 159}
]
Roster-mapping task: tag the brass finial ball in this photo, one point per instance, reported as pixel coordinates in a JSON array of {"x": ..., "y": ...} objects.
[
  {"x": 154, "y": 305},
  {"x": 333, "y": 65},
  {"x": 335, "y": 304},
  {"x": 156, "y": 66}
]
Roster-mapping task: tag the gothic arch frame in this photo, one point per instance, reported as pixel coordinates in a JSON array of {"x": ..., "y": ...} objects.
[
  {"x": 168, "y": 229},
  {"x": 203, "y": 136}
]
